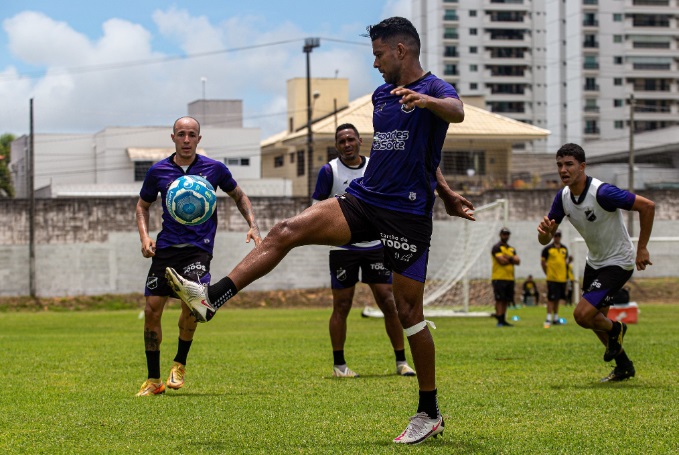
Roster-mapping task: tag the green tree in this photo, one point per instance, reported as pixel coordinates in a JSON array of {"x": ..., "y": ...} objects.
[{"x": 6, "y": 187}]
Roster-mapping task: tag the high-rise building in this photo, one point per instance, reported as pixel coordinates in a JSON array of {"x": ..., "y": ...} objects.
[{"x": 570, "y": 66}]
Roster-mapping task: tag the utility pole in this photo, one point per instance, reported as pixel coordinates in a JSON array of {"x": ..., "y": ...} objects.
[
  {"x": 31, "y": 206},
  {"x": 309, "y": 45},
  {"x": 630, "y": 173}
]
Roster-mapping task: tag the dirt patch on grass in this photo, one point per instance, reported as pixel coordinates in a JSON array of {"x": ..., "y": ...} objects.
[{"x": 655, "y": 290}]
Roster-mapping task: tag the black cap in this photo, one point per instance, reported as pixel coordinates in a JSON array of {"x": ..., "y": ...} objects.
[{"x": 505, "y": 230}]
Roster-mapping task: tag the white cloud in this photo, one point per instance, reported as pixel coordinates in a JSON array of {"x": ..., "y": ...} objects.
[{"x": 157, "y": 93}]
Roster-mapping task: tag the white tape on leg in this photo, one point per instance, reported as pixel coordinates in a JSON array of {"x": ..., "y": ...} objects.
[{"x": 410, "y": 331}]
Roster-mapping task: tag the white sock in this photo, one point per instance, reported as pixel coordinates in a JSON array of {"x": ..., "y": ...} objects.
[{"x": 549, "y": 317}]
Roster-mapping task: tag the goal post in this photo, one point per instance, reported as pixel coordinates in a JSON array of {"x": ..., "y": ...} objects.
[{"x": 459, "y": 263}]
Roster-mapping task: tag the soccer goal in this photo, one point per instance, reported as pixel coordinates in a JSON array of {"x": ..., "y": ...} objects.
[{"x": 460, "y": 264}]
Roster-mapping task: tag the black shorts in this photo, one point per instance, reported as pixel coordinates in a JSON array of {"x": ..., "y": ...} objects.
[
  {"x": 190, "y": 262},
  {"x": 503, "y": 290},
  {"x": 600, "y": 285},
  {"x": 345, "y": 264},
  {"x": 556, "y": 291},
  {"x": 405, "y": 237}
]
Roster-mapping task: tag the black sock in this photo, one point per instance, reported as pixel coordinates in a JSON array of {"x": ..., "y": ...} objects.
[
  {"x": 338, "y": 357},
  {"x": 221, "y": 291},
  {"x": 153, "y": 364},
  {"x": 400, "y": 355},
  {"x": 182, "y": 350},
  {"x": 429, "y": 404},
  {"x": 501, "y": 319},
  {"x": 622, "y": 360}
]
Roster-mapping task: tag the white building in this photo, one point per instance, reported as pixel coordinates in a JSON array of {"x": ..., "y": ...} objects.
[
  {"x": 566, "y": 66},
  {"x": 114, "y": 161}
]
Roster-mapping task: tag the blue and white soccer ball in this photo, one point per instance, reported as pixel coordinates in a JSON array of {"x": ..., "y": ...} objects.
[{"x": 191, "y": 200}]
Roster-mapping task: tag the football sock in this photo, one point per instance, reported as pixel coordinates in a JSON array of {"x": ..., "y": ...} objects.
[
  {"x": 555, "y": 317},
  {"x": 549, "y": 317},
  {"x": 182, "y": 350},
  {"x": 622, "y": 359},
  {"x": 400, "y": 355},
  {"x": 338, "y": 357},
  {"x": 221, "y": 291},
  {"x": 153, "y": 364},
  {"x": 429, "y": 404}
]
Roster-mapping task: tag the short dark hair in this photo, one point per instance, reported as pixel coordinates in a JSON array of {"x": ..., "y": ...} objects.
[
  {"x": 395, "y": 27},
  {"x": 174, "y": 125},
  {"x": 573, "y": 150},
  {"x": 346, "y": 126}
]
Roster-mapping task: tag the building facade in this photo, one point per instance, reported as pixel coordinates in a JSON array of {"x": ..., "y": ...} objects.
[{"x": 568, "y": 66}]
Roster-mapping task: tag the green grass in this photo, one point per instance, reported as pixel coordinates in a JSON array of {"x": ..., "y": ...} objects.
[{"x": 259, "y": 382}]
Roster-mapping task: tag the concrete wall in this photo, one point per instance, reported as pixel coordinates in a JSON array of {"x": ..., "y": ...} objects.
[{"x": 91, "y": 246}]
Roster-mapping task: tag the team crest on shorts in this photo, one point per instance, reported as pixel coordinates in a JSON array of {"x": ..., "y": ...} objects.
[
  {"x": 412, "y": 196},
  {"x": 152, "y": 282},
  {"x": 341, "y": 274}
]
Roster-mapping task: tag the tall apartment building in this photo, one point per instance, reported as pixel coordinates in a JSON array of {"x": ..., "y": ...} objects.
[{"x": 570, "y": 66}]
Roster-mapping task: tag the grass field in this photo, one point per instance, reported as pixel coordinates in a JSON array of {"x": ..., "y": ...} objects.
[{"x": 259, "y": 382}]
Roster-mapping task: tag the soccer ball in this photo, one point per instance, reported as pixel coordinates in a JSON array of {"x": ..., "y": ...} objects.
[{"x": 191, "y": 200}]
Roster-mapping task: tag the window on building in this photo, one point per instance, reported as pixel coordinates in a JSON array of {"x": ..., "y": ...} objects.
[
  {"x": 473, "y": 68},
  {"x": 617, "y": 60},
  {"x": 472, "y": 13},
  {"x": 473, "y": 49},
  {"x": 450, "y": 15},
  {"x": 473, "y": 86},
  {"x": 618, "y": 103},
  {"x": 617, "y": 17},
  {"x": 617, "y": 38},
  {"x": 450, "y": 69},
  {"x": 590, "y": 62},
  {"x": 278, "y": 161},
  {"x": 450, "y": 33},
  {"x": 450, "y": 51},
  {"x": 618, "y": 124},
  {"x": 331, "y": 153},
  {"x": 472, "y": 31},
  {"x": 140, "y": 170},
  {"x": 237, "y": 161},
  {"x": 617, "y": 81},
  {"x": 292, "y": 158},
  {"x": 300, "y": 163}
]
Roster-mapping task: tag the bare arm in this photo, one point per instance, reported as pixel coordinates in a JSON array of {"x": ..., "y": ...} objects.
[
  {"x": 455, "y": 204},
  {"x": 245, "y": 208},
  {"x": 546, "y": 230},
  {"x": 449, "y": 109},
  {"x": 646, "y": 209},
  {"x": 148, "y": 245}
]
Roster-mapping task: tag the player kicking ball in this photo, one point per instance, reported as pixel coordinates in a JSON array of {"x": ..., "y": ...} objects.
[
  {"x": 392, "y": 202},
  {"x": 594, "y": 208}
]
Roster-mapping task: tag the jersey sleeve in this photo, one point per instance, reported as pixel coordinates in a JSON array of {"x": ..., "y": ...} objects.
[
  {"x": 610, "y": 198},
  {"x": 323, "y": 183},
  {"x": 496, "y": 250},
  {"x": 545, "y": 252},
  {"x": 442, "y": 89},
  {"x": 149, "y": 188},
  {"x": 556, "y": 213},
  {"x": 226, "y": 181}
]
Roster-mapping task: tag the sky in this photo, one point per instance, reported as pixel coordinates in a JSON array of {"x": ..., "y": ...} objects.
[{"x": 89, "y": 65}]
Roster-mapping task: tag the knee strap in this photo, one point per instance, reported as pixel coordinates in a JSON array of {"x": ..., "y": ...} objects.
[{"x": 410, "y": 331}]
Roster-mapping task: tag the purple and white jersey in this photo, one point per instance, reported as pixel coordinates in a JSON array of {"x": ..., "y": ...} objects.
[
  {"x": 159, "y": 178},
  {"x": 406, "y": 150},
  {"x": 333, "y": 179},
  {"x": 596, "y": 216}
]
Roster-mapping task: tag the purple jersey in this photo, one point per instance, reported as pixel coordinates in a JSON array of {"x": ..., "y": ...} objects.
[
  {"x": 406, "y": 150},
  {"x": 159, "y": 178}
]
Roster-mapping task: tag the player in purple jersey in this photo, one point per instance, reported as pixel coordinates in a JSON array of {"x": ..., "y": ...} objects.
[
  {"x": 186, "y": 248},
  {"x": 392, "y": 203},
  {"x": 594, "y": 209}
]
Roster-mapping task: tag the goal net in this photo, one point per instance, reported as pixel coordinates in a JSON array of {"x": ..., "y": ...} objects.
[{"x": 460, "y": 264}]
